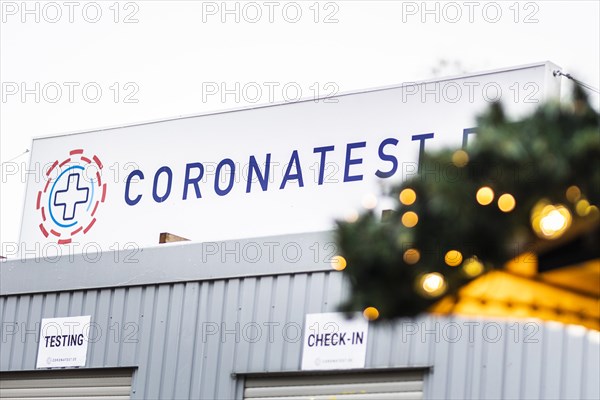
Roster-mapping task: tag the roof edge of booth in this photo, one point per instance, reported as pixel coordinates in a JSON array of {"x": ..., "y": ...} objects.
[{"x": 180, "y": 262}]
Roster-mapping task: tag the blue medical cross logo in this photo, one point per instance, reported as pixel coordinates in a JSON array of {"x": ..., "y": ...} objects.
[{"x": 81, "y": 195}]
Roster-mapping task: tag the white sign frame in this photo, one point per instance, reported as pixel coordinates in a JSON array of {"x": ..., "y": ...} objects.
[
  {"x": 63, "y": 342},
  {"x": 190, "y": 176},
  {"x": 334, "y": 341}
]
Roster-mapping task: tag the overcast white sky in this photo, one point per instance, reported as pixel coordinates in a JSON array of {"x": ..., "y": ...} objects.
[{"x": 167, "y": 51}]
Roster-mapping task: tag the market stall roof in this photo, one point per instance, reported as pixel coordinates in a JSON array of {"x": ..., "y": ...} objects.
[{"x": 569, "y": 295}]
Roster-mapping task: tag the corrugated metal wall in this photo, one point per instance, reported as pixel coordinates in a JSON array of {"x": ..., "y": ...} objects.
[{"x": 188, "y": 338}]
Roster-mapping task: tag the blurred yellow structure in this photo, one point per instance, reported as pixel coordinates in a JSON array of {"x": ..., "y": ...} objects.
[{"x": 570, "y": 295}]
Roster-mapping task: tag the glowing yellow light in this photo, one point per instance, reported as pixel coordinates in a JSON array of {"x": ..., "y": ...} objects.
[
  {"x": 573, "y": 194},
  {"x": 592, "y": 210},
  {"x": 338, "y": 263},
  {"x": 550, "y": 221},
  {"x": 408, "y": 197},
  {"x": 371, "y": 313},
  {"x": 410, "y": 219},
  {"x": 581, "y": 208},
  {"x": 453, "y": 258},
  {"x": 369, "y": 201},
  {"x": 485, "y": 195},
  {"x": 433, "y": 284},
  {"x": 506, "y": 203},
  {"x": 460, "y": 158},
  {"x": 553, "y": 222},
  {"x": 472, "y": 267},
  {"x": 411, "y": 256}
]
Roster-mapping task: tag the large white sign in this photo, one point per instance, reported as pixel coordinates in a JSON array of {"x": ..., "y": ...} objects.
[
  {"x": 272, "y": 170},
  {"x": 63, "y": 342},
  {"x": 332, "y": 341}
]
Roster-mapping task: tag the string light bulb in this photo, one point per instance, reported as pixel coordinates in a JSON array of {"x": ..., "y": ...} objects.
[
  {"x": 408, "y": 196},
  {"x": 550, "y": 221},
  {"x": 352, "y": 216},
  {"x": 472, "y": 267},
  {"x": 453, "y": 258},
  {"x": 582, "y": 207},
  {"x": 485, "y": 195},
  {"x": 506, "y": 203},
  {"x": 371, "y": 313},
  {"x": 460, "y": 158},
  {"x": 369, "y": 201},
  {"x": 432, "y": 284},
  {"x": 573, "y": 194},
  {"x": 410, "y": 219},
  {"x": 338, "y": 263},
  {"x": 411, "y": 256}
]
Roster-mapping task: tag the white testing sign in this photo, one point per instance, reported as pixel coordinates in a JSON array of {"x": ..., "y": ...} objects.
[{"x": 63, "y": 342}]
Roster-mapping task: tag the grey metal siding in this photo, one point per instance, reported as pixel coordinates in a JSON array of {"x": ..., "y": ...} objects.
[{"x": 168, "y": 331}]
